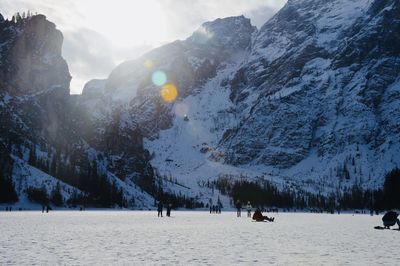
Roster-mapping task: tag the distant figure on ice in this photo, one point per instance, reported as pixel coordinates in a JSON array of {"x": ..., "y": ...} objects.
[
  {"x": 169, "y": 207},
  {"x": 248, "y": 207},
  {"x": 210, "y": 209},
  {"x": 238, "y": 208},
  {"x": 257, "y": 216},
  {"x": 48, "y": 208},
  {"x": 43, "y": 208},
  {"x": 160, "y": 208},
  {"x": 390, "y": 218}
]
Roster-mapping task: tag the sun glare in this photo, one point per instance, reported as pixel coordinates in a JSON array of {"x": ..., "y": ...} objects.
[
  {"x": 124, "y": 22},
  {"x": 169, "y": 92}
]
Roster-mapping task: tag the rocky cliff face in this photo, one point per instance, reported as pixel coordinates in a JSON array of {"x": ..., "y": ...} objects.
[
  {"x": 47, "y": 136},
  {"x": 321, "y": 73},
  {"x": 31, "y": 56}
]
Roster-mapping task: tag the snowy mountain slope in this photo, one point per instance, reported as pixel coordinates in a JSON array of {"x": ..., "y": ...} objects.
[
  {"x": 310, "y": 101},
  {"x": 25, "y": 176},
  {"x": 315, "y": 95},
  {"x": 314, "y": 105},
  {"x": 47, "y": 138}
]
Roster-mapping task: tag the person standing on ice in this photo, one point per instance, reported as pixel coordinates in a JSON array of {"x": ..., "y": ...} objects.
[
  {"x": 160, "y": 208},
  {"x": 169, "y": 207},
  {"x": 248, "y": 207},
  {"x": 238, "y": 208}
]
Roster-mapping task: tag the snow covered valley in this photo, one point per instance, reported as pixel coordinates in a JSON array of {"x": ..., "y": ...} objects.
[{"x": 193, "y": 238}]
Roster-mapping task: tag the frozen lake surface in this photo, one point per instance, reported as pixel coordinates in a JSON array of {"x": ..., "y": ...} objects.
[{"x": 193, "y": 238}]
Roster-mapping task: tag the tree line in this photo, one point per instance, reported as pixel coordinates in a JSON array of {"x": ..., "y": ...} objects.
[{"x": 266, "y": 194}]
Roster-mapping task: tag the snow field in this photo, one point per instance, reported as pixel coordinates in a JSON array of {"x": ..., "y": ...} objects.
[{"x": 193, "y": 238}]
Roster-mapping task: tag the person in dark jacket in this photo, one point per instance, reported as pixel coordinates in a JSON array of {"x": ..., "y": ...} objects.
[
  {"x": 390, "y": 218},
  {"x": 169, "y": 207},
  {"x": 160, "y": 208},
  {"x": 238, "y": 208},
  {"x": 257, "y": 216}
]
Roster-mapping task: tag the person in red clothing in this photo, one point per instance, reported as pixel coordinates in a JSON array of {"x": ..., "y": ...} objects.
[{"x": 259, "y": 217}]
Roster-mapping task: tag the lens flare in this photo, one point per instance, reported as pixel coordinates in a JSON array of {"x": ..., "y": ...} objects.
[
  {"x": 148, "y": 64},
  {"x": 159, "y": 78},
  {"x": 169, "y": 92}
]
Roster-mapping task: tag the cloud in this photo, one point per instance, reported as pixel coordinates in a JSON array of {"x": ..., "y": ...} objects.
[{"x": 90, "y": 55}]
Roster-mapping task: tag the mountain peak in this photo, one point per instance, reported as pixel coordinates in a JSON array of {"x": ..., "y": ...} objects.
[{"x": 232, "y": 32}]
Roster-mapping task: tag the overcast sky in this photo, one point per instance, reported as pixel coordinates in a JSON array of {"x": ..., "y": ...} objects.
[{"x": 99, "y": 34}]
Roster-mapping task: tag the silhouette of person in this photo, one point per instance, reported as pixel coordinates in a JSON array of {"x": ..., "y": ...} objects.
[
  {"x": 160, "y": 209},
  {"x": 238, "y": 208},
  {"x": 248, "y": 208},
  {"x": 259, "y": 217},
  {"x": 169, "y": 207},
  {"x": 390, "y": 219}
]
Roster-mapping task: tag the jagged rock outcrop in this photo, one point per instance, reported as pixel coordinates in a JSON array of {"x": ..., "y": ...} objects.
[
  {"x": 48, "y": 135},
  {"x": 31, "y": 58},
  {"x": 320, "y": 73}
]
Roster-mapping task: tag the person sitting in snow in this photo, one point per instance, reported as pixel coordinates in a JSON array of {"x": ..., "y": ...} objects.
[
  {"x": 390, "y": 218},
  {"x": 257, "y": 216}
]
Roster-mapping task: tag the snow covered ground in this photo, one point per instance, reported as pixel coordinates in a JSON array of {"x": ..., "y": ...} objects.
[{"x": 193, "y": 238}]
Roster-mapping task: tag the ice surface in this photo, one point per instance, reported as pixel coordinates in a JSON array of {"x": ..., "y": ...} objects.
[{"x": 193, "y": 238}]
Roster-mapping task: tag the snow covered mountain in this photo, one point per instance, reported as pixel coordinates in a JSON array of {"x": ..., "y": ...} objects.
[
  {"x": 310, "y": 101},
  {"x": 44, "y": 139}
]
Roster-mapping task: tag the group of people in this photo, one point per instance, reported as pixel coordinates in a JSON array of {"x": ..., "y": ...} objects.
[
  {"x": 215, "y": 208},
  {"x": 46, "y": 208},
  {"x": 160, "y": 207},
  {"x": 257, "y": 216}
]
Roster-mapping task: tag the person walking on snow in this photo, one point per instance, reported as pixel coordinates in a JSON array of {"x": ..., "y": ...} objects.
[
  {"x": 160, "y": 208},
  {"x": 169, "y": 207},
  {"x": 238, "y": 208},
  {"x": 248, "y": 208}
]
